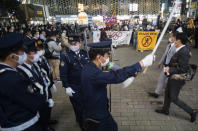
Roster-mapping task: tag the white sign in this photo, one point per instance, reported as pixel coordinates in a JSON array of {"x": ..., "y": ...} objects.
[
  {"x": 118, "y": 37},
  {"x": 82, "y": 18},
  {"x": 80, "y": 7},
  {"x": 133, "y": 7}
]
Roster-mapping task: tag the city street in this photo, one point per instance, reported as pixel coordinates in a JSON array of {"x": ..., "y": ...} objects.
[{"x": 132, "y": 108}]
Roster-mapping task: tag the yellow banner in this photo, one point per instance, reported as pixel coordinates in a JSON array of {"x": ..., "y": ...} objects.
[
  {"x": 39, "y": 12},
  {"x": 147, "y": 40}
]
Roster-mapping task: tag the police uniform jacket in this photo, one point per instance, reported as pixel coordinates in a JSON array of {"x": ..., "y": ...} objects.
[
  {"x": 18, "y": 101},
  {"x": 71, "y": 65},
  {"x": 43, "y": 64},
  {"x": 94, "y": 93},
  {"x": 36, "y": 77}
]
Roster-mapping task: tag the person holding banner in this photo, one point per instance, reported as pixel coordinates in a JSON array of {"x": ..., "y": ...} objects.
[
  {"x": 94, "y": 82},
  {"x": 178, "y": 65}
]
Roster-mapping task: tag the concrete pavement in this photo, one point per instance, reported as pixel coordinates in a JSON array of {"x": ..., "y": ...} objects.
[{"x": 132, "y": 108}]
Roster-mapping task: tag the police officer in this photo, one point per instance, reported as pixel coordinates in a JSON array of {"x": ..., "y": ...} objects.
[
  {"x": 72, "y": 62},
  {"x": 33, "y": 73},
  {"x": 94, "y": 81},
  {"x": 47, "y": 75},
  {"x": 19, "y": 101},
  {"x": 178, "y": 65}
]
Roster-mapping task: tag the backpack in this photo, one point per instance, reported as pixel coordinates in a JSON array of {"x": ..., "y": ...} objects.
[{"x": 48, "y": 54}]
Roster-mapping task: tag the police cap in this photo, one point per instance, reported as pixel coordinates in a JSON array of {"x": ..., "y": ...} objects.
[
  {"x": 11, "y": 40},
  {"x": 29, "y": 46},
  {"x": 72, "y": 39},
  {"x": 100, "y": 45}
]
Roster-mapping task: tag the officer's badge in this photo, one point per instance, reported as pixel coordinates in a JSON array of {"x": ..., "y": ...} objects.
[
  {"x": 71, "y": 38},
  {"x": 30, "y": 89},
  {"x": 62, "y": 63}
]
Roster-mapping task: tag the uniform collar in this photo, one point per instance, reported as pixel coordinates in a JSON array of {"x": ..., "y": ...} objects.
[
  {"x": 28, "y": 65},
  {"x": 6, "y": 65}
]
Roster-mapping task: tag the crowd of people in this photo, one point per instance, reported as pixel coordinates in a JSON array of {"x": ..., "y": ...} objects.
[{"x": 34, "y": 58}]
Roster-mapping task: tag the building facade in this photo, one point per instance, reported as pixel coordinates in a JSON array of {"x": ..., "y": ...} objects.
[{"x": 98, "y": 7}]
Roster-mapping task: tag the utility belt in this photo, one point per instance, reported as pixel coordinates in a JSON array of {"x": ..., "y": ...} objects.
[
  {"x": 23, "y": 126},
  {"x": 54, "y": 58}
]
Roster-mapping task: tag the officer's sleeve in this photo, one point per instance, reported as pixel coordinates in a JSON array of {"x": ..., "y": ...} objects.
[
  {"x": 23, "y": 96},
  {"x": 118, "y": 76},
  {"x": 63, "y": 67}
]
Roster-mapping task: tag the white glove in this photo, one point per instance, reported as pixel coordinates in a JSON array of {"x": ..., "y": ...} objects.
[
  {"x": 54, "y": 88},
  {"x": 127, "y": 82},
  {"x": 51, "y": 103},
  {"x": 148, "y": 60},
  {"x": 69, "y": 91}
]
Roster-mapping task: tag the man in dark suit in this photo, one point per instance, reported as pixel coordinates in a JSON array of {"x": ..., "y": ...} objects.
[{"x": 179, "y": 64}]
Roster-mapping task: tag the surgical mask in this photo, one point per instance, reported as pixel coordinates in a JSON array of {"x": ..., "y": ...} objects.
[
  {"x": 74, "y": 48},
  {"x": 36, "y": 58},
  {"x": 106, "y": 62},
  {"x": 41, "y": 52},
  {"x": 22, "y": 58},
  {"x": 170, "y": 40}
]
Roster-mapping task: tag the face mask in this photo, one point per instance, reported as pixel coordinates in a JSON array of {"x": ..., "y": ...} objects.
[
  {"x": 106, "y": 62},
  {"x": 22, "y": 59},
  {"x": 41, "y": 52},
  {"x": 37, "y": 36},
  {"x": 74, "y": 48},
  {"x": 170, "y": 40},
  {"x": 36, "y": 58}
]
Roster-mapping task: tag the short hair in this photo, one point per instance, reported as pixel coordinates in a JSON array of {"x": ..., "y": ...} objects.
[
  {"x": 175, "y": 33},
  {"x": 34, "y": 32},
  {"x": 182, "y": 37},
  {"x": 93, "y": 52}
]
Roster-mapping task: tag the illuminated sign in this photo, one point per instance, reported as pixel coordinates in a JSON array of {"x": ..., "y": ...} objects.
[
  {"x": 82, "y": 18},
  {"x": 39, "y": 12},
  {"x": 80, "y": 7}
]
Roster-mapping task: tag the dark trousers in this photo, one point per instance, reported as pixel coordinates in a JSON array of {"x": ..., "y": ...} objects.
[
  {"x": 106, "y": 124},
  {"x": 45, "y": 117},
  {"x": 77, "y": 106},
  {"x": 196, "y": 42},
  {"x": 35, "y": 127},
  {"x": 171, "y": 95}
]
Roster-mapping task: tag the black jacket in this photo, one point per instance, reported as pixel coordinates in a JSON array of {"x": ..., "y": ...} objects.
[{"x": 179, "y": 63}]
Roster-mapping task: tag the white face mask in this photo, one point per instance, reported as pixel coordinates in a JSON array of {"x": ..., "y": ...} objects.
[
  {"x": 22, "y": 58},
  {"x": 41, "y": 52},
  {"x": 170, "y": 40},
  {"x": 74, "y": 48},
  {"x": 36, "y": 58},
  {"x": 106, "y": 62}
]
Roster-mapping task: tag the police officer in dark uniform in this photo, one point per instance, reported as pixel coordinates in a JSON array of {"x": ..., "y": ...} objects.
[
  {"x": 94, "y": 82},
  {"x": 45, "y": 69},
  {"x": 19, "y": 101},
  {"x": 71, "y": 63},
  {"x": 179, "y": 65},
  {"x": 33, "y": 73}
]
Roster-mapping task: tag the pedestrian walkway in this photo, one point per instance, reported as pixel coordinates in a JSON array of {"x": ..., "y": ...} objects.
[{"x": 132, "y": 108}]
